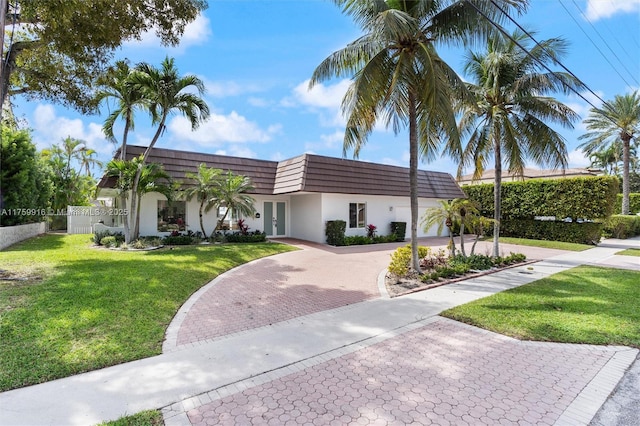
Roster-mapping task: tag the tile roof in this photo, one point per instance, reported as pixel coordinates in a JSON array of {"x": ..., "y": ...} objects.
[{"x": 305, "y": 173}]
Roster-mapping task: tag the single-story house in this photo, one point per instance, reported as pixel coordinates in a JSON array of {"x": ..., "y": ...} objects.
[
  {"x": 488, "y": 176},
  {"x": 295, "y": 197}
]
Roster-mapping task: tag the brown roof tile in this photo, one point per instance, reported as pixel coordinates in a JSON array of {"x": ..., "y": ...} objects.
[{"x": 306, "y": 173}]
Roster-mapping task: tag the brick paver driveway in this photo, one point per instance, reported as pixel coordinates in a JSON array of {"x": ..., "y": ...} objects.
[
  {"x": 313, "y": 279},
  {"x": 441, "y": 373}
]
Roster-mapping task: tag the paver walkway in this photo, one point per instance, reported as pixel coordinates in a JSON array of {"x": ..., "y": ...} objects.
[{"x": 358, "y": 348}]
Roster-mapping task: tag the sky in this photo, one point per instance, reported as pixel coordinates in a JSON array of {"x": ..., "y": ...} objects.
[{"x": 257, "y": 56}]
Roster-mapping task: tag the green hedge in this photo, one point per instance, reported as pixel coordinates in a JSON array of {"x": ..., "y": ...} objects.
[
  {"x": 634, "y": 203},
  {"x": 399, "y": 229},
  {"x": 590, "y": 198},
  {"x": 335, "y": 230},
  {"x": 572, "y": 232},
  {"x": 253, "y": 237},
  {"x": 622, "y": 226}
]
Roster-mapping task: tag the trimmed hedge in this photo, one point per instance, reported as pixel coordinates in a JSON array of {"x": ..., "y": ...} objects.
[
  {"x": 572, "y": 232},
  {"x": 253, "y": 237},
  {"x": 335, "y": 230},
  {"x": 590, "y": 198},
  {"x": 634, "y": 203},
  {"x": 622, "y": 226},
  {"x": 399, "y": 229}
]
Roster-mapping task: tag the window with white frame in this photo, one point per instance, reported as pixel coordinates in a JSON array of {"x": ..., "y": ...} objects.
[{"x": 357, "y": 215}]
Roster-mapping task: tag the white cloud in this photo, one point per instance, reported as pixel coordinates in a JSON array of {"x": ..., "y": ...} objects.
[
  {"x": 222, "y": 89},
  {"x": 222, "y": 128},
  {"x": 259, "y": 102},
  {"x": 195, "y": 33},
  {"x": 600, "y": 9},
  {"x": 50, "y": 129},
  {"x": 320, "y": 95},
  {"x": 578, "y": 160}
]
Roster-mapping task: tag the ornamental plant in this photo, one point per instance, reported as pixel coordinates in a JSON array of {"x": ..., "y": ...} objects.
[{"x": 371, "y": 230}]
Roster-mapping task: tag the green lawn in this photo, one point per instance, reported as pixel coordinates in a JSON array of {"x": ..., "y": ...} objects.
[
  {"x": 82, "y": 308},
  {"x": 630, "y": 252},
  {"x": 144, "y": 418},
  {"x": 586, "y": 304},
  {"x": 560, "y": 245}
]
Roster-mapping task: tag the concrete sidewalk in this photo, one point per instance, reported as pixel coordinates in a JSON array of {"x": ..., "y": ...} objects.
[{"x": 185, "y": 379}]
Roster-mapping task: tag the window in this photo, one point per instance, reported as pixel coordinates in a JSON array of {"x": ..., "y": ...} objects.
[
  {"x": 171, "y": 216},
  {"x": 357, "y": 213}
]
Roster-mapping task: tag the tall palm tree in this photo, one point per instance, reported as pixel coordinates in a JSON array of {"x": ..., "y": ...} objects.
[
  {"x": 166, "y": 93},
  {"x": 616, "y": 120},
  {"x": 116, "y": 85},
  {"x": 206, "y": 182},
  {"x": 231, "y": 192},
  {"x": 508, "y": 118},
  {"x": 398, "y": 77}
]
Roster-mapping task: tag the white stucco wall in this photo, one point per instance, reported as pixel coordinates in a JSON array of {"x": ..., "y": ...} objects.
[
  {"x": 380, "y": 211},
  {"x": 306, "y": 217},
  {"x": 10, "y": 235}
]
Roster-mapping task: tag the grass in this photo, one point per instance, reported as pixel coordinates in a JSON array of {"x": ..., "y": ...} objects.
[
  {"x": 144, "y": 418},
  {"x": 630, "y": 252},
  {"x": 560, "y": 245},
  {"x": 82, "y": 308},
  {"x": 591, "y": 305}
]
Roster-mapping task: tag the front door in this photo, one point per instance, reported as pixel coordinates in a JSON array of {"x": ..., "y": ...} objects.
[{"x": 275, "y": 218}]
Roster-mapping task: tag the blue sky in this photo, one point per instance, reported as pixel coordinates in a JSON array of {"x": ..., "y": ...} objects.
[{"x": 256, "y": 57}]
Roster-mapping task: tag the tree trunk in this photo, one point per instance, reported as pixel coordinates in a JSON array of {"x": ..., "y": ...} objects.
[
  {"x": 123, "y": 195},
  {"x": 626, "y": 139},
  {"x": 136, "y": 179},
  {"x": 204, "y": 234},
  {"x": 497, "y": 215},
  {"x": 413, "y": 180},
  {"x": 464, "y": 253}
]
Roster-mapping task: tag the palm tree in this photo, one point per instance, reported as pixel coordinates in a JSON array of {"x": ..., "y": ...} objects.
[
  {"x": 446, "y": 214},
  {"x": 398, "y": 77},
  {"x": 116, "y": 86},
  {"x": 205, "y": 190},
  {"x": 231, "y": 192},
  {"x": 508, "y": 118},
  {"x": 607, "y": 158},
  {"x": 85, "y": 157},
  {"x": 166, "y": 93},
  {"x": 616, "y": 120}
]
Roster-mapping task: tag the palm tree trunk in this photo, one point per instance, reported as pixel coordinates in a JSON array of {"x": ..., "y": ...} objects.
[
  {"x": 123, "y": 195},
  {"x": 497, "y": 215},
  {"x": 464, "y": 253},
  {"x": 626, "y": 139},
  {"x": 136, "y": 179},
  {"x": 413, "y": 180},
  {"x": 204, "y": 234}
]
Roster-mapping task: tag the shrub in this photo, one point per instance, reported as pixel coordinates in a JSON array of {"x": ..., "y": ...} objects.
[
  {"x": 446, "y": 271},
  {"x": 98, "y": 237},
  {"x": 510, "y": 259},
  {"x": 478, "y": 262},
  {"x": 250, "y": 237},
  {"x": 108, "y": 241},
  {"x": 138, "y": 244},
  {"x": 634, "y": 203},
  {"x": 592, "y": 198},
  {"x": 371, "y": 230},
  {"x": 384, "y": 239},
  {"x": 572, "y": 232},
  {"x": 177, "y": 240},
  {"x": 357, "y": 240},
  {"x": 334, "y": 230},
  {"x": 399, "y": 229},
  {"x": 401, "y": 258},
  {"x": 621, "y": 226},
  {"x": 434, "y": 260}
]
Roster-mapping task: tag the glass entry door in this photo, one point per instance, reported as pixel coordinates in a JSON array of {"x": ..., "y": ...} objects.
[{"x": 275, "y": 219}]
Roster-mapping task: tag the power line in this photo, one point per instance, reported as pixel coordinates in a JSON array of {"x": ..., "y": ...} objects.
[
  {"x": 517, "y": 43},
  {"x": 603, "y": 40}
]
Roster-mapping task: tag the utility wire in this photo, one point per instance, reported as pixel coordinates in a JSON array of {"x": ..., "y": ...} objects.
[
  {"x": 506, "y": 34},
  {"x": 603, "y": 40}
]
